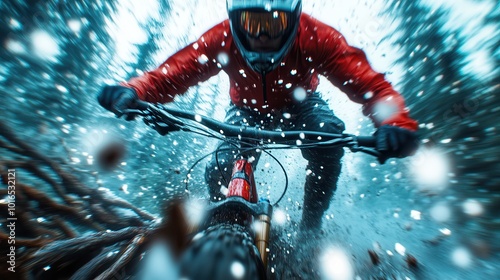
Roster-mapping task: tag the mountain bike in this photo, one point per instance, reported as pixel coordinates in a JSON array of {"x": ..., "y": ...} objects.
[{"x": 233, "y": 241}]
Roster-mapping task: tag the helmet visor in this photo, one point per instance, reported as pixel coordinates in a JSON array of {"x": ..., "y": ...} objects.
[{"x": 272, "y": 24}]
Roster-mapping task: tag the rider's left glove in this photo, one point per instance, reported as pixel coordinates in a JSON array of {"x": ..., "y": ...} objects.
[
  {"x": 117, "y": 99},
  {"x": 395, "y": 142}
]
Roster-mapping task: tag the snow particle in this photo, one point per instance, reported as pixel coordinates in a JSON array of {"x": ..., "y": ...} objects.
[
  {"x": 15, "y": 24},
  {"x": 279, "y": 217},
  {"x": 445, "y": 231},
  {"x": 461, "y": 257},
  {"x": 203, "y": 59},
  {"x": 431, "y": 168},
  {"x": 440, "y": 212},
  {"x": 299, "y": 94},
  {"x": 224, "y": 190},
  {"x": 335, "y": 263},
  {"x": 75, "y": 25},
  {"x": 61, "y": 89},
  {"x": 472, "y": 207},
  {"x": 237, "y": 270},
  {"x": 384, "y": 110},
  {"x": 400, "y": 249},
  {"x": 44, "y": 45},
  {"x": 416, "y": 215},
  {"x": 15, "y": 46},
  {"x": 223, "y": 59}
]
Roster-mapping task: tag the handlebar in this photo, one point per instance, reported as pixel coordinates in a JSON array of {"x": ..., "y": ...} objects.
[{"x": 165, "y": 119}]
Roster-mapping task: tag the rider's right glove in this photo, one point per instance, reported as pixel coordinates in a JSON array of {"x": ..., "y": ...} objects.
[
  {"x": 395, "y": 142},
  {"x": 117, "y": 99}
]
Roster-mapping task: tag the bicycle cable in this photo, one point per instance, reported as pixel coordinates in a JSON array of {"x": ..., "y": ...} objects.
[
  {"x": 284, "y": 173},
  {"x": 253, "y": 144},
  {"x": 186, "y": 189}
]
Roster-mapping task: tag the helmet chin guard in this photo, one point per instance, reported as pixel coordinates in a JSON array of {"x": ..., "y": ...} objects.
[{"x": 251, "y": 18}]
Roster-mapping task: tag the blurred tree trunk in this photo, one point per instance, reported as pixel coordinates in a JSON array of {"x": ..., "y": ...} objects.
[{"x": 453, "y": 103}]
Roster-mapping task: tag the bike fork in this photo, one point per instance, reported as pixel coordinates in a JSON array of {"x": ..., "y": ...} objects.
[{"x": 262, "y": 236}]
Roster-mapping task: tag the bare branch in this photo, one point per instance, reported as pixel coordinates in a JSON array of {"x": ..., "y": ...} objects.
[
  {"x": 125, "y": 257},
  {"x": 35, "y": 242},
  {"x": 59, "y": 250}
]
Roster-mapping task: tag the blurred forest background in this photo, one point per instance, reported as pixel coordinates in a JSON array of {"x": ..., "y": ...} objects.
[{"x": 56, "y": 55}]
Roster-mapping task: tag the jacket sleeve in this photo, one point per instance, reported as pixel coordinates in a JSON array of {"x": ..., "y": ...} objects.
[
  {"x": 188, "y": 67},
  {"x": 348, "y": 69}
]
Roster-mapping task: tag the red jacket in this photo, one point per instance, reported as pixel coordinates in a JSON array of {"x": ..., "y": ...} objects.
[{"x": 318, "y": 50}]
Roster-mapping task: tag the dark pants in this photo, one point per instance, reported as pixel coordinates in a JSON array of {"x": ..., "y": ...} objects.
[{"x": 324, "y": 164}]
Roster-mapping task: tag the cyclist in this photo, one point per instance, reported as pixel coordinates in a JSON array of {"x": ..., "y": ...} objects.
[{"x": 273, "y": 54}]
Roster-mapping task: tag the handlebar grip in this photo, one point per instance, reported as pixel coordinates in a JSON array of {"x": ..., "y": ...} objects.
[{"x": 367, "y": 141}]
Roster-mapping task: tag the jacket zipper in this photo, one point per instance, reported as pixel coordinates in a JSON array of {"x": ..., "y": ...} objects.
[{"x": 264, "y": 87}]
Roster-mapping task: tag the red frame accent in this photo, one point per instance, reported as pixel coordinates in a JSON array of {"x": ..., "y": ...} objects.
[{"x": 243, "y": 187}]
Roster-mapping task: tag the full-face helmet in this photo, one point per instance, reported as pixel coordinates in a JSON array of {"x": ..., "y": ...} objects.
[{"x": 264, "y": 30}]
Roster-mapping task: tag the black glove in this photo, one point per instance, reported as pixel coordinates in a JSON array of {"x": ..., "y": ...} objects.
[
  {"x": 117, "y": 99},
  {"x": 395, "y": 142}
]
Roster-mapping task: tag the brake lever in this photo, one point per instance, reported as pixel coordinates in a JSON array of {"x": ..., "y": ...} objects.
[
  {"x": 161, "y": 121},
  {"x": 369, "y": 151},
  {"x": 355, "y": 146}
]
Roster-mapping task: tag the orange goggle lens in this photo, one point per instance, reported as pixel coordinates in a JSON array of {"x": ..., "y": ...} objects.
[{"x": 272, "y": 24}]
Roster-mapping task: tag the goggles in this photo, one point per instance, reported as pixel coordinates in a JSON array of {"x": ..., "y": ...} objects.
[{"x": 273, "y": 24}]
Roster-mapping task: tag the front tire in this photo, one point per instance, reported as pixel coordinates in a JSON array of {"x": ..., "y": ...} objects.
[{"x": 222, "y": 252}]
